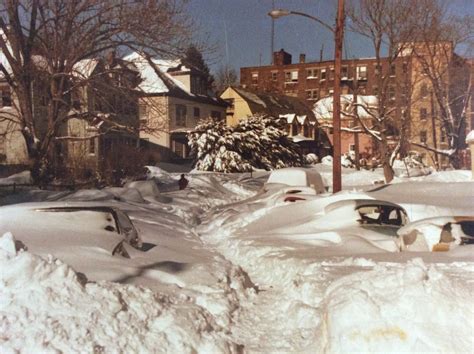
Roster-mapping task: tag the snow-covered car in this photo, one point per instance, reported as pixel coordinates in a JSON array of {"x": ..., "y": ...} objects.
[
  {"x": 70, "y": 229},
  {"x": 296, "y": 177},
  {"x": 368, "y": 221},
  {"x": 440, "y": 233}
]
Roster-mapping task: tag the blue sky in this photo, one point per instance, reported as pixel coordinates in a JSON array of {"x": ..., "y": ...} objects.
[{"x": 247, "y": 27}]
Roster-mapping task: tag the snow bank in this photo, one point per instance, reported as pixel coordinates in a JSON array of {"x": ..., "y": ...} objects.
[
  {"x": 18, "y": 178},
  {"x": 409, "y": 308},
  {"x": 46, "y": 306}
]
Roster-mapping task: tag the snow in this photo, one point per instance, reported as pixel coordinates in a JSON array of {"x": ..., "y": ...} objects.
[
  {"x": 232, "y": 271},
  {"x": 324, "y": 107},
  {"x": 470, "y": 137}
]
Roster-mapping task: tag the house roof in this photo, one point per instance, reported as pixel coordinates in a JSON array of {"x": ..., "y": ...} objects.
[
  {"x": 323, "y": 109},
  {"x": 276, "y": 105},
  {"x": 157, "y": 82}
]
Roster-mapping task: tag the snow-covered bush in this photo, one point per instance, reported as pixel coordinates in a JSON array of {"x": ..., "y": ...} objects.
[
  {"x": 312, "y": 159},
  {"x": 256, "y": 142}
]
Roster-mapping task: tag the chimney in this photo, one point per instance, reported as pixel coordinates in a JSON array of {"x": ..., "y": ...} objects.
[
  {"x": 281, "y": 58},
  {"x": 302, "y": 58}
]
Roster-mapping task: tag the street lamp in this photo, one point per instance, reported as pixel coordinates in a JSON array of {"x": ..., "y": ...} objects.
[{"x": 338, "y": 35}]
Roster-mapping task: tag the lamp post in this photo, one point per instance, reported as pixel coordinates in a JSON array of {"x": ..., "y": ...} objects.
[{"x": 338, "y": 32}]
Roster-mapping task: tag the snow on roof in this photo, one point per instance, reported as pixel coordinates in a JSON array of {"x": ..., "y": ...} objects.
[
  {"x": 290, "y": 117},
  {"x": 470, "y": 137},
  {"x": 154, "y": 82},
  {"x": 84, "y": 67},
  {"x": 324, "y": 107},
  {"x": 301, "y": 119},
  {"x": 299, "y": 137},
  {"x": 252, "y": 97}
]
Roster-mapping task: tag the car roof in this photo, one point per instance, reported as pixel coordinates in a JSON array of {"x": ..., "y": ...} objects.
[{"x": 360, "y": 203}]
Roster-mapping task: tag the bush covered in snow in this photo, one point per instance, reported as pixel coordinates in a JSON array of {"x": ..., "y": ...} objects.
[{"x": 256, "y": 142}]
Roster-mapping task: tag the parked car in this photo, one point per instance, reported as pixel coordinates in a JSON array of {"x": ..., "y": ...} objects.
[
  {"x": 296, "y": 177},
  {"x": 73, "y": 231},
  {"x": 320, "y": 222},
  {"x": 440, "y": 233}
]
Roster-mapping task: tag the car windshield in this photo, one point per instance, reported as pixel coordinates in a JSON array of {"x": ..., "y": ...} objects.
[{"x": 382, "y": 215}]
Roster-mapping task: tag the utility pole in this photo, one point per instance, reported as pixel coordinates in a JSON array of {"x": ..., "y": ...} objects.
[{"x": 339, "y": 33}]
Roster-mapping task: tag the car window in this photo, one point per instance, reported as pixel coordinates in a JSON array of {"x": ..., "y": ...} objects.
[{"x": 382, "y": 215}]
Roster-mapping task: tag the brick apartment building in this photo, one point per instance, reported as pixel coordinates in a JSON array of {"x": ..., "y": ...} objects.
[{"x": 312, "y": 81}]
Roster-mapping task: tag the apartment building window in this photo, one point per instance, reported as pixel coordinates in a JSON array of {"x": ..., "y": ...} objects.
[
  {"x": 274, "y": 75},
  {"x": 393, "y": 70},
  {"x": 423, "y": 137},
  {"x": 312, "y": 73},
  {"x": 362, "y": 72},
  {"x": 331, "y": 92},
  {"x": 180, "y": 115},
  {"x": 344, "y": 73},
  {"x": 378, "y": 69},
  {"x": 312, "y": 94},
  {"x": 291, "y": 76},
  {"x": 323, "y": 74},
  {"x": 391, "y": 93},
  {"x": 254, "y": 78},
  {"x": 331, "y": 73},
  {"x": 197, "y": 112},
  {"x": 423, "y": 113}
]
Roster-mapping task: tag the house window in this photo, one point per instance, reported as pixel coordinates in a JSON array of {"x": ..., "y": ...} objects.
[
  {"x": 323, "y": 74},
  {"x": 143, "y": 112},
  {"x": 92, "y": 146},
  {"x": 331, "y": 92},
  {"x": 362, "y": 72},
  {"x": 179, "y": 148},
  {"x": 216, "y": 115},
  {"x": 294, "y": 129},
  {"x": 312, "y": 73},
  {"x": 274, "y": 76},
  {"x": 306, "y": 130},
  {"x": 197, "y": 112},
  {"x": 375, "y": 90},
  {"x": 352, "y": 147},
  {"x": 254, "y": 78},
  {"x": 423, "y": 137},
  {"x": 6, "y": 97},
  {"x": 180, "y": 115},
  {"x": 423, "y": 113},
  {"x": 312, "y": 94},
  {"x": 405, "y": 67},
  {"x": 443, "y": 137},
  {"x": 323, "y": 93},
  {"x": 423, "y": 91}
]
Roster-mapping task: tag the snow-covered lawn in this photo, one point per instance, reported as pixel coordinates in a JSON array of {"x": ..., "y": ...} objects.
[{"x": 219, "y": 280}]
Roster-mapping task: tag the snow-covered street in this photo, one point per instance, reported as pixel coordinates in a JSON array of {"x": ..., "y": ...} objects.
[{"x": 229, "y": 270}]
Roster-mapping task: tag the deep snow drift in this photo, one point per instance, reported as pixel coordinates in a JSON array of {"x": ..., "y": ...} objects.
[{"x": 241, "y": 291}]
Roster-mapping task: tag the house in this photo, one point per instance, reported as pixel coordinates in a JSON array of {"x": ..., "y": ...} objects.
[
  {"x": 99, "y": 119},
  {"x": 301, "y": 123},
  {"x": 367, "y": 106},
  {"x": 172, "y": 103}
]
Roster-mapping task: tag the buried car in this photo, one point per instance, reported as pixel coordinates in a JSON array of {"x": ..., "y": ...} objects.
[
  {"x": 82, "y": 234},
  {"x": 440, "y": 233},
  {"x": 347, "y": 221}
]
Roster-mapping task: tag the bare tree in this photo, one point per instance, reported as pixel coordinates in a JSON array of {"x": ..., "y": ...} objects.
[
  {"x": 447, "y": 77},
  {"x": 43, "y": 42},
  {"x": 390, "y": 25},
  {"x": 226, "y": 76}
]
